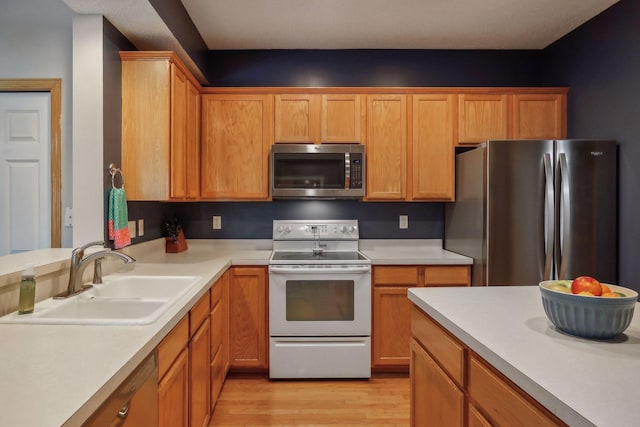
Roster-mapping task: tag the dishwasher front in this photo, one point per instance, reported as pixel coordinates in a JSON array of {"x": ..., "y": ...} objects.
[{"x": 135, "y": 401}]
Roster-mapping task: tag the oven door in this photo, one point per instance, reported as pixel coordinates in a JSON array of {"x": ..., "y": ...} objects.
[{"x": 320, "y": 300}]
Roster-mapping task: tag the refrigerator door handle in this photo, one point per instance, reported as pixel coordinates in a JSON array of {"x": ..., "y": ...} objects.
[
  {"x": 549, "y": 221},
  {"x": 565, "y": 211}
]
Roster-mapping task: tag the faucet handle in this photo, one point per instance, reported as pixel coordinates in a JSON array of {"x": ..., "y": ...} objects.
[
  {"x": 97, "y": 271},
  {"x": 79, "y": 252}
]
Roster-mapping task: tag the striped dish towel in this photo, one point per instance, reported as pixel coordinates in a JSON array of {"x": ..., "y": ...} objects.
[{"x": 118, "y": 218}]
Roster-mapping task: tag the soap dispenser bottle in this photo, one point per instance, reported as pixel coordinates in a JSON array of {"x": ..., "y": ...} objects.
[{"x": 27, "y": 290}]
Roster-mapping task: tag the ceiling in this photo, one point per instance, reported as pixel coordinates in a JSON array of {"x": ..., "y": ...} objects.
[{"x": 388, "y": 24}]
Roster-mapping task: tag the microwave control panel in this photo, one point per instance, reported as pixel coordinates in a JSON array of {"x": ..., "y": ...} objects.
[{"x": 355, "y": 170}]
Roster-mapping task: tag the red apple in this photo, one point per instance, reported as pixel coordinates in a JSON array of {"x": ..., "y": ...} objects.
[{"x": 586, "y": 283}]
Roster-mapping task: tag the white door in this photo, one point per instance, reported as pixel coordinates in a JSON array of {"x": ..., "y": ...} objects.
[{"x": 25, "y": 205}]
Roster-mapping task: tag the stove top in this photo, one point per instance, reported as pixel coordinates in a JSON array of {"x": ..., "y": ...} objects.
[{"x": 316, "y": 242}]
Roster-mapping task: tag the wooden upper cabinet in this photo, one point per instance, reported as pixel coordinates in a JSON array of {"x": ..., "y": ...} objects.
[
  {"x": 341, "y": 119},
  {"x": 433, "y": 142},
  {"x": 237, "y": 134},
  {"x": 158, "y": 139},
  {"x": 539, "y": 116},
  {"x": 192, "y": 149},
  {"x": 295, "y": 118},
  {"x": 178, "y": 151},
  {"x": 315, "y": 118},
  {"x": 482, "y": 117},
  {"x": 386, "y": 145}
]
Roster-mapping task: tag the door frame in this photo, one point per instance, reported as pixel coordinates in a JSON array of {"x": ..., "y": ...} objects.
[{"x": 54, "y": 87}]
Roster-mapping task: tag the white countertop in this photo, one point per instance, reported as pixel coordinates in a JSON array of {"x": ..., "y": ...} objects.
[
  {"x": 410, "y": 252},
  {"x": 53, "y": 375},
  {"x": 583, "y": 382}
]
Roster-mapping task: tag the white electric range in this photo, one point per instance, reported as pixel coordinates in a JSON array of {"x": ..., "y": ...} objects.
[{"x": 319, "y": 301}]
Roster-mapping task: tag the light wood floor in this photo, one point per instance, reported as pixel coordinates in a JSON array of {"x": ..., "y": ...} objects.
[{"x": 257, "y": 401}]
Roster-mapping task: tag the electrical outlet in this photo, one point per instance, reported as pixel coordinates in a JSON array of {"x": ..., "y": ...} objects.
[
  {"x": 141, "y": 227},
  {"x": 404, "y": 221},
  {"x": 217, "y": 222},
  {"x": 132, "y": 229}
]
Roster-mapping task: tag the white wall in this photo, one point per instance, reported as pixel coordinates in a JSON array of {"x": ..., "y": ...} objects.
[
  {"x": 36, "y": 42},
  {"x": 88, "y": 132}
]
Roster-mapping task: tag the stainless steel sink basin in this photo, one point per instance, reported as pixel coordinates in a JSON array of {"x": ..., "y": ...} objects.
[{"x": 121, "y": 300}]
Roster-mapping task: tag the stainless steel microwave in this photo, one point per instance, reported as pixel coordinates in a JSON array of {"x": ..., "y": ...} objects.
[{"x": 322, "y": 171}]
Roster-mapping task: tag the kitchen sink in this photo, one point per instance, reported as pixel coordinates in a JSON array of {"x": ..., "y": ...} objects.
[{"x": 121, "y": 300}]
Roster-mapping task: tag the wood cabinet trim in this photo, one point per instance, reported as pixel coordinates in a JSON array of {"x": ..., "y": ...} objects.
[{"x": 368, "y": 90}]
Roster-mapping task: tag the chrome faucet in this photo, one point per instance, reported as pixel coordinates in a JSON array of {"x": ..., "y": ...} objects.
[{"x": 79, "y": 262}]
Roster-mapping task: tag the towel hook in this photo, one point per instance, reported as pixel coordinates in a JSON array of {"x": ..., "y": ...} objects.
[{"x": 114, "y": 170}]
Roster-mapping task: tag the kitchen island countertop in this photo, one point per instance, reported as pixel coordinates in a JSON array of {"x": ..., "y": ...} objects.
[{"x": 583, "y": 382}]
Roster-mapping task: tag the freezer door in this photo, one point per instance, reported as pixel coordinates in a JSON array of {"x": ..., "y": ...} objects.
[
  {"x": 520, "y": 220},
  {"x": 586, "y": 195}
]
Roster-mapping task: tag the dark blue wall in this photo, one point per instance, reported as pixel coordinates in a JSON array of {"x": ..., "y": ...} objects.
[
  {"x": 600, "y": 62},
  {"x": 309, "y": 68}
]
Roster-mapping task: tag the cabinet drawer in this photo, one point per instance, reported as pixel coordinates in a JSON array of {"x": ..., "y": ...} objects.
[
  {"x": 434, "y": 276},
  {"x": 443, "y": 348},
  {"x": 198, "y": 313},
  {"x": 216, "y": 328},
  {"x": 172, "y": 345},
  {"x": 395, "y": 276},
  {"x": 503, "y": 404},
  {"x": 216, "y": 293}
]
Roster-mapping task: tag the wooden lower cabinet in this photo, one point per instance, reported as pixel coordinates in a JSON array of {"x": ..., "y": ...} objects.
[
  {"x": 392, "y": 308},
  {"x": 248, "y": 319},
  {"x": 439, "y": 402},
  {"x": 452, "y": 386},
  {"x": 173, "y": 375},
  {"x": 219, "y": 341},
  {"x": 199, "y": 376}
]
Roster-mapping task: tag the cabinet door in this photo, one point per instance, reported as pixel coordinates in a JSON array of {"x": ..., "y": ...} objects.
[
  {"x": 433, "y": 154},
  {"x": 475, "y": 418},
  {"x": 146, "y": 92},
  {"x": 391, "y": 326},
  {"x": 248, "y": 317},
  {"x": 539, "y": 116},
  {"x": 341, "y": 118},
  {"x": 237, "y": 136},
  {"x": 199, "y": 376},
  {"x": 296, "y": 118},
  {"x": 173, "y": 394},
  {"x": 386, "y": 144},
  {"x": 178, "y": 151},
  {"x": 435, "y": 399},
  {"x": 482, "y": 117},
  {"x": 225, "y": 321},
  {"x": 192, "y": 149}
]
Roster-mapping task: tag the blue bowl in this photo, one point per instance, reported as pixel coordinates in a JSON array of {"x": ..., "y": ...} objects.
[{"x": 588, "y": 316}]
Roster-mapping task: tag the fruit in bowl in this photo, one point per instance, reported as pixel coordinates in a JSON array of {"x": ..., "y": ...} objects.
[{"x": 588, "y": 308}]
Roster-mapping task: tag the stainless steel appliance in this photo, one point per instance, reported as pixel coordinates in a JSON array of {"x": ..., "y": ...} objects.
[
  {"x": 528, "y": 211},
  {"x": 319, "y": 301},
  {"x": 329, "y": 171}
]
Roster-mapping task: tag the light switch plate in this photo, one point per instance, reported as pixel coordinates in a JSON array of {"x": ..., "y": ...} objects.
[
  {"x": 404, "y": 221},
  {"x": 132, "y": 229},
  {"x": 141, "y": 227},
  {"x": 217, "y": 222},
  {"x": 68, "y": 217}
]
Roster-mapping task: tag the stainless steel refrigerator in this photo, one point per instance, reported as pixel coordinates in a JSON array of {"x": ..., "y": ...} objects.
[{"x": 528, "y": 211}]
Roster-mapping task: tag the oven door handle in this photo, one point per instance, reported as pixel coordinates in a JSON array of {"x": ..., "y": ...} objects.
[{"x": 325, "y": 270}]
